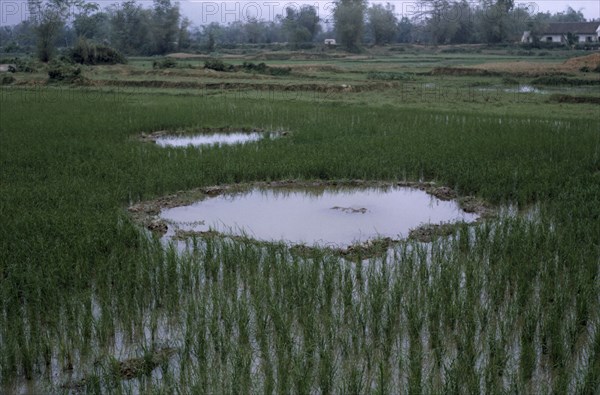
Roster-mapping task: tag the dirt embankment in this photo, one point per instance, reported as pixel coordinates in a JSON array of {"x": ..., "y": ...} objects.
[
  {"x": 592, "y": 62},
  {"x": 238, "y": 86},
  {"x": 463, "y": 71}
]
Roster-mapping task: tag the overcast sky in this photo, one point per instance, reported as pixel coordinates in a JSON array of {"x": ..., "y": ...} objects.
[{"x": 225, "y": 11}]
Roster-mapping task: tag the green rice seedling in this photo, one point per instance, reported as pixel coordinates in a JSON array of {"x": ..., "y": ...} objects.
[{"x": 506, "y": 304}]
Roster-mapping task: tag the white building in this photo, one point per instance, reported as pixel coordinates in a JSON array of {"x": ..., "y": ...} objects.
[{"x": 583, "y": 32}]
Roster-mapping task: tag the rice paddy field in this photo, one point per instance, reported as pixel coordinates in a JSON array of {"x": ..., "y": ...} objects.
[{"x": 92, "y": 302}]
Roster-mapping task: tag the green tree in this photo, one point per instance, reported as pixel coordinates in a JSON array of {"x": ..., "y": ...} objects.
[
  {"x": 165, "y": 26},
  {"x": 255, "y": 31},
  {"x": 405, "y": 30},
  {"x": 301, "y": 26},
  {"x": 49, "y": 18},
  {"x": 570, "y": 15},
  {"x": 349, "y": 17},
  {"x": 183, "y": 39},
  {"x": 495, "y": 21},
  {"x": 93, "y": 26},
  {"x": 382, "y": 23},
  {"x": 131, "y": 28}
]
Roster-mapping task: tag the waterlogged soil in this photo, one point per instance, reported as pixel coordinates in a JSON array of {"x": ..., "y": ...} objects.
[
  {"x": 208, "y": 137},
  {"x": 348, "y": 216}
]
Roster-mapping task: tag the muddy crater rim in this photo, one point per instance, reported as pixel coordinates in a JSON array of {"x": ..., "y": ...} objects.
[
  {"x": 206, "y": 137},
  {"x": 148, "y": 213}
]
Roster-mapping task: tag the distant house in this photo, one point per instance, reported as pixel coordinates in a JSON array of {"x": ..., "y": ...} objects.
[
  {"x": 583, "y": 32},
  {"x": 330, "y": 41}
]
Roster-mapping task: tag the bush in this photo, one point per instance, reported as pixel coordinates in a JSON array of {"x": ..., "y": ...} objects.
[
  {"x": 587, "y": 46},
  {"x": 542, "y": 45},
  {"x": 85, "y": 52},
  {"x": 60, "y": 71},
  {"x": 509, "y": 81},
  {"x": 558, "y": 80},
  {"x": 218, "y": 65},
  {"x": 279, "y": 70},
  {"x": 20, "y": 65},
  {"x": 7, "y": 80},
  {"x": 574, "y": 99},
  {"x": 262, "y": 68},
  {"x": 166, "y": 63},
  {"x": 389, "y": 76},
  {"x": 108, "y": 55}
]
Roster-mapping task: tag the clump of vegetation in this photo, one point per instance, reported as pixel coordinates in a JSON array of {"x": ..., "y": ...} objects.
[
  {"x": 21, "y": 65},
  {"x": 462, "y": 71},
  {"x": 428, "y": 232},
  {"x": 218, "y": 65},
  {"x": 476, "y": 84},
  {"x": 252, "y": 67},
  {"x": 279, "y": 71},
  {"x": 558, "y": 98},
  {"x": 460, "y": 50},
  {"x": 164, "y": 63},
  {"x": 85, "y": 52},
  {"x": 7, "y": 79},
  {"x": 61, "y": 71},
  {"x": 262, "y": 68},
  {"x": 509, "y": 81},
  {"x": 389, "y": 76},
  {"x": 561, "y": 80}
]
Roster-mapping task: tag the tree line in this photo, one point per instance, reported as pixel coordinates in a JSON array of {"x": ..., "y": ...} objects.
[{"x": 136, "y": 30}]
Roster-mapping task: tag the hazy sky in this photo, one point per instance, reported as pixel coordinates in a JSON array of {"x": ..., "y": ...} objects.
[{"x": 225, "y": 11}]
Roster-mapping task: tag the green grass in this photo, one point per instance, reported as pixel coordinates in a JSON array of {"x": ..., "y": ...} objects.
[{"x": 509, "y": 306}]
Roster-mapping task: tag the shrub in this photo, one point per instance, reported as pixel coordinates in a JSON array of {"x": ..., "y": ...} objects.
[
  {"x": 587, "y": 46},
  {"x": 558, "y": 98},
  {"x": 85, "y": 52},
  {"x": 559, "y": 80},
  {"x": 20, "y": 65},
  {"x": 279, "y": 70},
  {"x": 262, "y": 68},
  {"x": 7, "y": 80},
  {"x": 218, "y": 65},
  {"x": 509, "y": 81},
  {"x": 60, "y": 71},
  {"x": 388, "y": 76},
  {"x": 166, "y": 63}
]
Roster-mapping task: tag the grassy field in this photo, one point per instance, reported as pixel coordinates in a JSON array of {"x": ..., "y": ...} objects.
[{"x": 89, "y": 303}]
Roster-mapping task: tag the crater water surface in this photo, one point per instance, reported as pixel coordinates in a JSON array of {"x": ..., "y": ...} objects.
[{"x": 316, "y": 216}]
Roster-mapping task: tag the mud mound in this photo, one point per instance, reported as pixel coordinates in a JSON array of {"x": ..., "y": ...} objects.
[
  {"x": 591, "y": 61},
  {"x": 524, "y": 69}
]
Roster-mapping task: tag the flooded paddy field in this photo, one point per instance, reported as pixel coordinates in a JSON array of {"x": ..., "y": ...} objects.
[{"x": 91, "y": 302}]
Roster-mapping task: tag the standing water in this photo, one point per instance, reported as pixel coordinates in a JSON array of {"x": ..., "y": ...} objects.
[
  {"x": 316, "y": 216},
  {"x": 209, "y": 139}
]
